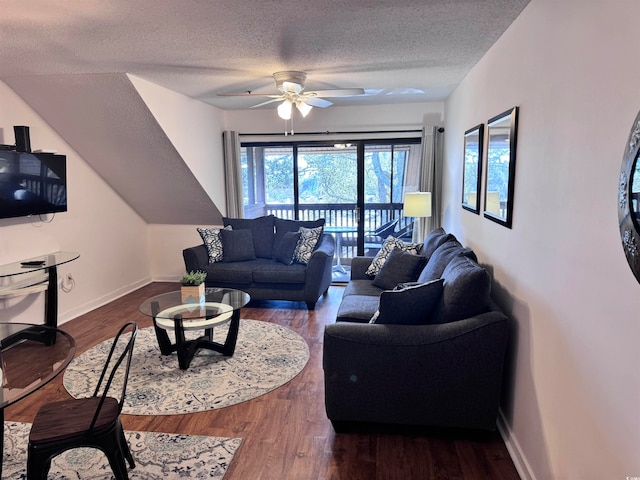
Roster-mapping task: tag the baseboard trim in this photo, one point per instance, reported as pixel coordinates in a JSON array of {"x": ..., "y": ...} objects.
[
  {"x": 518, "y": 457},
  {"x": 103, "y": 300}
]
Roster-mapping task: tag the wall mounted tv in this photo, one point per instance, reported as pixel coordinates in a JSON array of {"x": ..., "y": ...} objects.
[{"x": 32, "y": 183}]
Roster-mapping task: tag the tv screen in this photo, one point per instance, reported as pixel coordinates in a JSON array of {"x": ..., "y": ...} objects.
[{"x": 32, "y": 183}]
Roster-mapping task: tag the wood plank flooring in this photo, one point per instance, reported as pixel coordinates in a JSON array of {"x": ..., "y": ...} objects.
[{"x": 286, "y": 432}]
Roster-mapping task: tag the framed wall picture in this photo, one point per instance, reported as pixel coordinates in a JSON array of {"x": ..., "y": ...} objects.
[
  {"x": 501, "y": 167},
  {"x": 472, "y": 168}
]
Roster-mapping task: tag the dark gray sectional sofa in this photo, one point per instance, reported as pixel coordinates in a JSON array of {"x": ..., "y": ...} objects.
[
  {"x": 257, "y": 265},
  {"x": 436, "y": 355}
]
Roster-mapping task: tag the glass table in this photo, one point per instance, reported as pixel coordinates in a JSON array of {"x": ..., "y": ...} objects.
[
  {"x": 29, "y": 360},
  {"x": 220, "y": 306},
  {"x": 47, "y": 265}
]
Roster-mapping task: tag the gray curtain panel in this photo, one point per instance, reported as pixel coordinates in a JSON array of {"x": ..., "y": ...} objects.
[
  {"x": 233, "y": 174},
  {"x": 431, "y": 176}
]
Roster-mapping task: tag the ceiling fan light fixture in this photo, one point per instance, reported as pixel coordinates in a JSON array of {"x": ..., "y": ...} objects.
[
  {"x": 284, "y": 110},
  {"x": 303, "y": 108}
]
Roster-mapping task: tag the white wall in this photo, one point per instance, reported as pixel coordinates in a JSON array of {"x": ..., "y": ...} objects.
[
  {"x": 194, "y": 128},
  {"x": 573, "y": 389},
  {"x": 107, "y": 233}
]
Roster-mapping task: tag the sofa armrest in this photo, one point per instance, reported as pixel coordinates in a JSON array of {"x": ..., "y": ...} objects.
[
  {"x": 195, "y": 258},
  {"x": 440, "y": 375},
  {"x": 359, "y": 265},
  {"x": 318, "y": 277}
]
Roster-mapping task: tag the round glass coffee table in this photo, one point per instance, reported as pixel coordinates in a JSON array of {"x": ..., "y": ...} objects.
[{"x": 220, "y": 306}]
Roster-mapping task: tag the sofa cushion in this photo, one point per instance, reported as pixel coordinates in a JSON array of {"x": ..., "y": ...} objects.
[
  {"x": 433, "y": 240},
  {"x": 306, "y": 244},
  {"x": 284, "y": 251},
  {"x": 389, "y": 244},
  {"x": 361, "y": 287},
  {"x": 441, "y": 257},
  {"x": 399, "y": 267},
  {"x": 211, "y": 239},
  {"x": 283, "y": 226},
  {"x": 278, "y": 274},
  {"x": 467, "y": 288},
  {"x": 412, "y": 305},
  {"x": 262, "y": 229},
  {"x": 238, "y": 273},
  {"x": 357, "y": 308},
  {"x": 237, "y": 245}
]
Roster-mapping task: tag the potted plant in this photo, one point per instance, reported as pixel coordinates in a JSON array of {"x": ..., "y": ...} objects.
[{"x": 192, "y": 289}]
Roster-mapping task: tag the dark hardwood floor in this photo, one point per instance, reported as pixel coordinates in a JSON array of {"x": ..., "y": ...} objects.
[{"x": 286, "y": 434}]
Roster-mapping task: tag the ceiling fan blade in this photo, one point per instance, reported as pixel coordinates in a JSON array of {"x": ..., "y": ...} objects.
[
  {"x": 277, "y": 98},
  {"x": 271, "y": 95},
  {"x": 317, "y": 102},
  {"x": 342, "y": 92}
]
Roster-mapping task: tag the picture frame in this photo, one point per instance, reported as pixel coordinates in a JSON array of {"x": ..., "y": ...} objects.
[
  {"x": 472, "y": 168},
  {"x": 500, "y": 167}
]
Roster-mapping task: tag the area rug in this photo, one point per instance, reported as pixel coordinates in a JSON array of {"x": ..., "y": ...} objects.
[
  {"x": 157, "y": 455},
  {"x": 266, "y": 357}
]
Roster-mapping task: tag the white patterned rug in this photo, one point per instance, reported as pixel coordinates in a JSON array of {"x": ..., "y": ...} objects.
[
  {"x": 157, "y": 455},
  {"x": 266, "y": 357}
]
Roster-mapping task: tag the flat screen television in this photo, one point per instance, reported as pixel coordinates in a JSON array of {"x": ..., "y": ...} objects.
[{"x": 32, "y": 183}]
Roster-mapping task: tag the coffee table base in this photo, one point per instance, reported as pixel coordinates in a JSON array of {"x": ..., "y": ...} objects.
[{"x": 186, "y": 349}]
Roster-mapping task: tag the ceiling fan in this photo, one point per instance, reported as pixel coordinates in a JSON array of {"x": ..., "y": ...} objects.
[{"x": 290, "y": 84}]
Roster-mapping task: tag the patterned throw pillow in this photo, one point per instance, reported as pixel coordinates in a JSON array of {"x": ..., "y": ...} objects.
[
  {"x": 308, "y": 240},
  {"x": 390, "y": 244},
  {"x": 211, "y": 239}
]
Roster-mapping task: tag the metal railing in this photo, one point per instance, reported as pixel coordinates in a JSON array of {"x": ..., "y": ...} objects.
[{"x": 342, "y": 215}]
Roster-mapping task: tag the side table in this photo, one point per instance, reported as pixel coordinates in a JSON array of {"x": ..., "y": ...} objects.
[{"x": 47, "y": 265}]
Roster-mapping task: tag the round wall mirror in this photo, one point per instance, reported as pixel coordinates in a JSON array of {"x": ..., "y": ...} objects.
[{"x": 629, "y": 199}]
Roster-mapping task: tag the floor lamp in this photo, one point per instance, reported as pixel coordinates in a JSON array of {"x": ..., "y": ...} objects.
[{"x": 417, "y": 205}]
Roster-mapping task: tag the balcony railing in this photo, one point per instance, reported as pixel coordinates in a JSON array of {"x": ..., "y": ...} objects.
[{"x": 342, "y": 215}]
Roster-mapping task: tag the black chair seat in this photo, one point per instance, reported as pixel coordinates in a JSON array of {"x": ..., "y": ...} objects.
[{"x": 69, "y": 419}]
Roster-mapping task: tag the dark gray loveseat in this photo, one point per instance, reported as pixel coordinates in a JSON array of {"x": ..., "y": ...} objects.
[
  {"x": 444, "y": 369},
  {"x": 267, "y": 271}
]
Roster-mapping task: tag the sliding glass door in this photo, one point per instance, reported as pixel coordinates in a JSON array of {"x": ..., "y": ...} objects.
[{"x": 357, "y": 187}]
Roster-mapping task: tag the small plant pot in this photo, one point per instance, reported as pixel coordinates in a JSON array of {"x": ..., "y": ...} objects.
[{"x": 192, "y": 293}]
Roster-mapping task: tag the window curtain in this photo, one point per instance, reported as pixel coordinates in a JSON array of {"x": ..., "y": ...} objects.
[
  {"x": 233, "y": 174},
  {"x": 431, "y": 178}
]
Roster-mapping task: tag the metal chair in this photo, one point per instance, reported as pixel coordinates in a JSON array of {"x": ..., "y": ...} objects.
[{"x": 87, "y": 422}]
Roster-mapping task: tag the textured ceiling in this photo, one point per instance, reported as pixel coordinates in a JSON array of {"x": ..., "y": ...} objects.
[{"x": 204, "y": 47}]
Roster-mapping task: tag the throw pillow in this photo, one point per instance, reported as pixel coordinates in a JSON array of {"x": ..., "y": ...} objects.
[
  {"x": 399, "y": 267},
  {"x": 388, "y": 246},
  {"x": 285, "y": 250},
  {"x": 237, "y": 245},
  {"x": 409, "y": 306},
  {"x": 306, "y": 244},
  {"x": 211, "y": 239},
  {"x": 262, "y": 229},
  {"x": 283, "y": 226}
]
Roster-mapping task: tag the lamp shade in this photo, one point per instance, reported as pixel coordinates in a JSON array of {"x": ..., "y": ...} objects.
[
  {"x": 417, "y": 204},
  {"x": 303, "y": 108}
]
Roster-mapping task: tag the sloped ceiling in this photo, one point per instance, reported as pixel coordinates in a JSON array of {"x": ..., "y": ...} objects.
[{"x": 106, "y": 121}]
